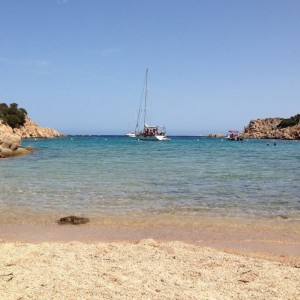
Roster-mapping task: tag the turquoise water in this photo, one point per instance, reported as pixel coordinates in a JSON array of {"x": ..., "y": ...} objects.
[{"x": 119, "y": 176}]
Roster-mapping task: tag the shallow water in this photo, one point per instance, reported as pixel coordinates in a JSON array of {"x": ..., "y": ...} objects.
[{"x": 187, "y": 178}]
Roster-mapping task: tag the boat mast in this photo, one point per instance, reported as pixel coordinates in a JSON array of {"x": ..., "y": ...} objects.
[
  {"x": 139, "y": 112},
  {"x": 146, "y": 89},
  {"x": 143, "y": 98}
]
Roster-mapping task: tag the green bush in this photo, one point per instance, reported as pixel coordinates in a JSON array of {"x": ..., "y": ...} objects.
[
  {"x": 12, "y": 115},
  {"x": 292, "y": 121}
]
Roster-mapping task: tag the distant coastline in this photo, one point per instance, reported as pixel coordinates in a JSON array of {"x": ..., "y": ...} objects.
[{"x": 269, "y": 128}]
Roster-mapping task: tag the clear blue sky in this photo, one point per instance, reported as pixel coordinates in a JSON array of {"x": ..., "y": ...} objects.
[{"x": 79, "y": 65}]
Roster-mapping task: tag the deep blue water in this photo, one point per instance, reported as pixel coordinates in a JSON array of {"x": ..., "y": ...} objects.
[{"x": 116, "y": 175}]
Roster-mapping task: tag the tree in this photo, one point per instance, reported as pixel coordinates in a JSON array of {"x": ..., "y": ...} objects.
[
  {"x": 12, "y": 115},
  {"x": 292, "y": 121}
]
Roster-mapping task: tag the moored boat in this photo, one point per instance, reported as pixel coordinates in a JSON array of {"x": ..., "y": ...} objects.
[
  {"x": 234, "y": 135},
  {"x": 153, "y": 133},
  {"x": 149, "y": 133}
]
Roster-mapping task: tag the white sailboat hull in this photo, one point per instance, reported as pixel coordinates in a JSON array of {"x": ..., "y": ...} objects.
[
  {"x": 152, "y": 138},
  {"x": 132, "y": 135}
]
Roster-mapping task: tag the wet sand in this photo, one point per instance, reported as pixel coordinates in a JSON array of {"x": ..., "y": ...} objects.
[{"x": 279, "y": 237}]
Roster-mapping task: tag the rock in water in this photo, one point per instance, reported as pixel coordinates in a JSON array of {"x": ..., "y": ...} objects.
[{"x": 74, "y": 220}]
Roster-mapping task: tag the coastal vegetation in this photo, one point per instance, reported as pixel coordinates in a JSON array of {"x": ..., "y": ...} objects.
[
  {"x": 12, "y": 115},
  {"x": 292, "y": 121}
]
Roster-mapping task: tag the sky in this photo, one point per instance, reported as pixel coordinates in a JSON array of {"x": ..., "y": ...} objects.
[{"x": 79, "y": 66}]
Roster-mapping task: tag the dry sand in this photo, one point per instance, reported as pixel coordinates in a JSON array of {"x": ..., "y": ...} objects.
[{"x": 145, "y": 269}]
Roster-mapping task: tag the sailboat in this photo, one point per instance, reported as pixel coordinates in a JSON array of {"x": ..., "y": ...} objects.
[{"x": 149, "y": 132}]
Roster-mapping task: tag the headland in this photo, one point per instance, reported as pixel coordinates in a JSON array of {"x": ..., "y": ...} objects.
[
  {"x": 273, "y": 128},
  {"x": 10, "y": 138}
]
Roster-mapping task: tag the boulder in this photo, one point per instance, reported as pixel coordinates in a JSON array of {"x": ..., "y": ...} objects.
[
  {"x": 10, "y": 142},
  {"x": 216, "y": 135}
]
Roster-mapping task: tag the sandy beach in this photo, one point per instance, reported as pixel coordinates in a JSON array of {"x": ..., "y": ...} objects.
[
  {"x": 211, "y": 260},
  {"x": 142, "y": 269}
]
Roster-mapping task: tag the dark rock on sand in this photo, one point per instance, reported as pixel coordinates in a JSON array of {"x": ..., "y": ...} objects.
[{"x": 74, "y": 220}]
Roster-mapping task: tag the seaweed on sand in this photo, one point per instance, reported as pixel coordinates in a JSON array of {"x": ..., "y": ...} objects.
[{"x": 74, "y": 220}]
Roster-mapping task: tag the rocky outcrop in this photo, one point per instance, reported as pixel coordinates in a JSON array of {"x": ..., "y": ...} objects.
[
  {"x": 267, "y": 129},
  {"x": 10, "y": 143},
  {"x": 32, "y": 130},
  {"x": 10, "y": 139},
  {"x": 216, "y": 135}
]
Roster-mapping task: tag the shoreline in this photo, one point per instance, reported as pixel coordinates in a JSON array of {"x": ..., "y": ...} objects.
[{"x": 247, "y": 237}]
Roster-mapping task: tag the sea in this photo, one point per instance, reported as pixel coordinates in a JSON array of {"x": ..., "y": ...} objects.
[{"x": 117, "y": 178}]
